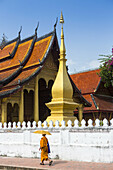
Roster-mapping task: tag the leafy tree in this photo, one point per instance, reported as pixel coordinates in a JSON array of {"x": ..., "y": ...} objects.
[{"x": 106, "y": 69}]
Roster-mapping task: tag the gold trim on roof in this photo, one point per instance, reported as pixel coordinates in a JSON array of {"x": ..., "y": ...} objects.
[
  {"x": 16, "y": 58},
  {"x": 37, "y": 43},
  {"x": 7, "y": 46}
]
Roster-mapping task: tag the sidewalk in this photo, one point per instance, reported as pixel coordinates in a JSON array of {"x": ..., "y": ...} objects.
[{"x": 12, "y": 163}]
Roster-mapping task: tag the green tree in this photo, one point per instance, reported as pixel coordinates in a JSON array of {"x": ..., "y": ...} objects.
[{"x": 106, "y": 69}]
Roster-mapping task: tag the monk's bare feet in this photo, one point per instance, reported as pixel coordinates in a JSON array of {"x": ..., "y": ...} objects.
[
  {"x": 41, "y": 163},
  {"x": 50, "y": 163}
]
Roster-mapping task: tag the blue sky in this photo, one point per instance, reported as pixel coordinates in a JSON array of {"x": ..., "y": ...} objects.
[{"x": 88, "y": 27}]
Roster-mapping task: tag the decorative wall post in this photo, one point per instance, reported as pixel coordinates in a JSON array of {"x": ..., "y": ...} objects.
[
  {"x": 4, "y": 111},
  {"x": 36, "y": 101},
  {"x": 80, "y": 112},
  {"x": 21, "y": 110}
]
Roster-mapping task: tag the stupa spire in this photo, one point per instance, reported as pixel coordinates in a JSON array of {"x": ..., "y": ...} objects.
[
  {"x": 62, "y": 105},
  {"x": 62, "y": 46}
]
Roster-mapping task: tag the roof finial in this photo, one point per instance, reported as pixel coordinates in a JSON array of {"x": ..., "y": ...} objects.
[
  {"x": 20, "y": 31},
  {"x": 36, "y": 28},
  {"x": 61, "y": 18},
  {"x": 62, "y": 46},
  {"x": 56, "y": 23}
]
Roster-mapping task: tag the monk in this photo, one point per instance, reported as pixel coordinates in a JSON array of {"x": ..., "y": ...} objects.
[{"x": 44, "y": 150}]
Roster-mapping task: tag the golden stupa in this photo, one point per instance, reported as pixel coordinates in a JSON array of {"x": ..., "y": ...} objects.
[{"x": 62, "y": 104}]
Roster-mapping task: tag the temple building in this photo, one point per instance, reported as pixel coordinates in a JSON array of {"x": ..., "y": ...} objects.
[
  {"x": 93, "y": 90},
  {"x": 28, "y": 69}
]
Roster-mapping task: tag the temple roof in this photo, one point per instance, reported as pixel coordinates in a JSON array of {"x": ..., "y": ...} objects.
[
  {"x": 8, "y": 51},
  {"x": 99, "y": 103},
  {"x": 78, "y": 96},
  {"x": 104, "y": 102},
  {"x": 86, "y": 82},
  {"x": 93, "y": 90},
  {"x": 22, "y": 60}
]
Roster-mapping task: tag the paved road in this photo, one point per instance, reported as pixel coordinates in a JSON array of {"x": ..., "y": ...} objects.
[{"x": 34, "y": 164}]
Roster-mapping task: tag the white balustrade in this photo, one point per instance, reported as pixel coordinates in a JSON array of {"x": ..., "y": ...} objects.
[
  {"x": 90, "y": 123},
  {"x": 34, "y": 125},
  {"x": 19, "y": 125},
  {"x": 51, "y": 124},
  {"x": 23, "y": 125},
  {"x": 45, "y": 124},
  {"x": 97, "y": 123},
  {"x": 76, "y": 122},
  {"x": 57, "y": 124},
  {"x": 63, "y": 124},
  {"x": 14, "y": 125},
  {"x": 28, "y": 125},
  {"x": 69, "y": 124},
  {"x": 83, "y": 123},
  {"x": 9, "y": 125},
  {"x": 5, "y": 125},
  {"x": 39, "y": 124},
  {"x": 105, "y": 123}
]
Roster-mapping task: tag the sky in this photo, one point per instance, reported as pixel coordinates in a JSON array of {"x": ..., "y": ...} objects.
[{"x": 88, "y": 26}]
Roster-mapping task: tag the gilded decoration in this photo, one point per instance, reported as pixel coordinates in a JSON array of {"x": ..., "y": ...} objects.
[{"x": 62, "y": 105}]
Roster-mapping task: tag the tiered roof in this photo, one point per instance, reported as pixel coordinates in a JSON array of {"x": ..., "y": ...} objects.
[
  {"x": 20, "y": 61},
  {"x": 93, "y": 90}
]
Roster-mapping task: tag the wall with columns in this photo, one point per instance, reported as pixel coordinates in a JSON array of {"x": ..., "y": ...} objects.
[
  {"x": 91, "y": 143},
  {"x": 48, "y": 72}
]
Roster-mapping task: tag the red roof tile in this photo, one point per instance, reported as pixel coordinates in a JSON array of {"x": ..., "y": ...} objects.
[
  {"x": 9, "y": 91},
  {"x": 23, "y": 75},
  {"x": 19, "y": 55},
  {"x": 6, "y": 50},
  {"x": 7, "y": 73},
  {"x": 104, "y": 103},
  {"x": 39, "y": 51},
  {"x": 87, "y": 82}
]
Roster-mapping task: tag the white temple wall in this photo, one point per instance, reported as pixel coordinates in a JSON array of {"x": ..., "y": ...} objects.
[{"x": 90, "y": 144}]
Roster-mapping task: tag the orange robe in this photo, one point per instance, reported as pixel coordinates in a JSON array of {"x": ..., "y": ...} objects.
[{"x": 44, "y": 148}]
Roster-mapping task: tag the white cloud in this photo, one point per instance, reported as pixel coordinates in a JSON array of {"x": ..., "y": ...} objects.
[
  {"x": 75, "y": 67},
  {"x": 71, "y": 66},
  {"x": 94, "y": 64},
  {"x": 71, "y": 62},
  {"x": 90, "y": 65}
]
